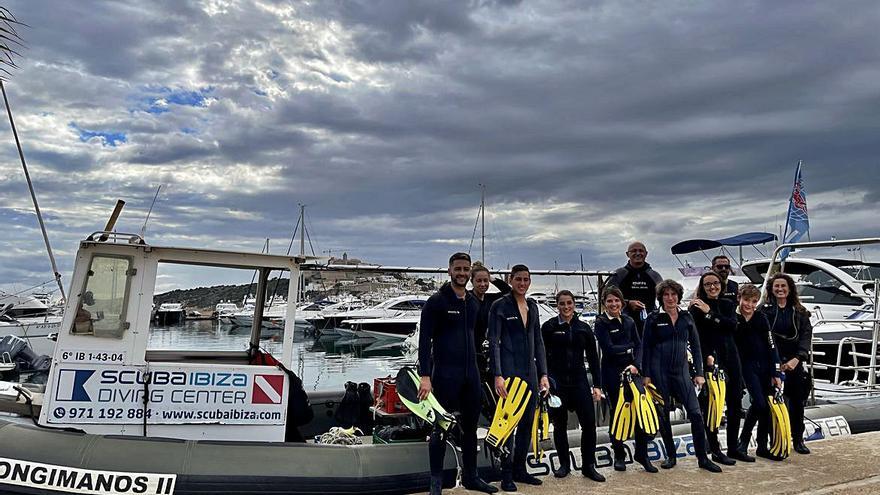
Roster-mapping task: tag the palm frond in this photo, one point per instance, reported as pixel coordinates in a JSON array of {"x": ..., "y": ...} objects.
[{"x": 9, "y": 37}]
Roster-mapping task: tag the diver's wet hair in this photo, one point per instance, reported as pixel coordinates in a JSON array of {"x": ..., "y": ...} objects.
[
  {"x": 478, "y": 267},
  {"x": 749, "y": 291},
  {"x": 564, "y": 292},
  {"x": 519, "y": 268},
  {"x": 459, "y": 256},
  {"x": 612, "y": 291},
  {"x": 669, "y": 284}
]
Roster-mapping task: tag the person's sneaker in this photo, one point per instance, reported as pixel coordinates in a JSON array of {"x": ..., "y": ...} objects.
[
  {"x": 508, "y": 485},
  {"x": 562, "y": 472},
  {"x": 740, "y": 456},
  {"x": 669, "y": 463},
  {"x": 645, "y": 464},
  {"x": 709, "y": 466},
  {"x": 720, "y": 458},
  {"x": 527, "y": 479},
  {"x": 477, "y": 484},
  {"x": 619, "y": 465}
]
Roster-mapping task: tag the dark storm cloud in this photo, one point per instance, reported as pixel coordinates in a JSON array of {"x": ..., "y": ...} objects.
[{"x": 591, "y": 123}]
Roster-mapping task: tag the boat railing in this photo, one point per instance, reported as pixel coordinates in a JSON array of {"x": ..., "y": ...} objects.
[
  {"x": 115, "y": 237},
  {"x": 847, "y": 346}
]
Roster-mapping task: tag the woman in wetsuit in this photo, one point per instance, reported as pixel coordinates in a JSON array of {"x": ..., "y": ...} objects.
[
  {"x": 567, "y": 341},
  {"x": 715, "y": 318},
  {"x": 792, "y": 332},
  {"x": 620, "y": 344},
  {"x": 480, "y": 280},
  {"x": 757, "y": 353},
  {"x": 668, "y": 333}
]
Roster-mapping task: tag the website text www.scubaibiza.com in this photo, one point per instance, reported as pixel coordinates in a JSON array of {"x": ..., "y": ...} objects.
[{"x": 222, "y": 414}]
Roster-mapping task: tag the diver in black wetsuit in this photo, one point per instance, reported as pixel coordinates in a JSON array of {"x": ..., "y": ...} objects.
[
  {"x": 516, "y": 348},
  {"x": 620, "y": 344},
  {"x": 568, "y": 340},
  {"x": 729, "y": 288},
  {"x": 716, "y": 321},
  {"x": 792, "y": 332},
  {"x": 760, "y": 361},
  {"x": 480, "y": 280},
  {"x": 448, "y": 367},
  {"x": 668, "y": 332},
  {"x": 638, "y": 282}
]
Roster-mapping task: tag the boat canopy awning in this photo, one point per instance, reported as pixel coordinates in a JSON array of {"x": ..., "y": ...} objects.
[{"x": 747, "y": 239}]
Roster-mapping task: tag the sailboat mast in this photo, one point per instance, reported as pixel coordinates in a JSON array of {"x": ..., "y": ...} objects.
[
  {"x": 583, "y": 285},
  {"x": 302, "y": 230},
  {"x": 30, "y": 184},
  {"x": 147, "y": 219},
  {"x": 483, "y": 225}
]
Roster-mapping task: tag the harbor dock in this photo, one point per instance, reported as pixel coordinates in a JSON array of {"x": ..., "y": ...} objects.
[{"x": 839, "y": 466}]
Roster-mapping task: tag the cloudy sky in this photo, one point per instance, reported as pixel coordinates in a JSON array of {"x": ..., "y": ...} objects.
[{"x": 591, "y": 124}]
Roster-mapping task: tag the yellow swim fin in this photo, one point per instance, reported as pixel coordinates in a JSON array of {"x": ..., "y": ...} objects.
[
  {"x": 654, "y": 394},
  {"x": 780, "y": 425},
  {"x": 646, "y": 413},
  {"x": 625, "y": 415},
  {"x": 508, "y": 413},
  {"x": 717, "y": 385},
  {"x": 540, "y": 427}
]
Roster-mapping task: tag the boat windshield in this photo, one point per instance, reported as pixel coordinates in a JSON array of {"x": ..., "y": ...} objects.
[
  {"x": 103, "y": 301},
  {"x": 862, "y": 273}
]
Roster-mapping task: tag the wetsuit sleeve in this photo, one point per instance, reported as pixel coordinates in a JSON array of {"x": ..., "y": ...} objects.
[
  {"x": 593, "y": 357},
  {"x": 806, "y": 335},
  {"x": 494, "y": 335},
  {"x": 694, "y": 339},
  {"x": 617, "y": 278},
  {"x": 540, "y": 354},
  {"x": 502, "y": 286},
  {"x": 546, "y": 331},
  {"x": 603, "y": 335},
  {"x": 427, "y": 324},
  {"x": 644, "y": 356}
]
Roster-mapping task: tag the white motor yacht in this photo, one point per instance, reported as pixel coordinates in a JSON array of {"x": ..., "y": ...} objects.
[
  {"x": 830, "y": 288},
  {"x": 332, "y": 324},
  {"x": 274, "y": 314},
  {"x": 30, "y": 318},
  {"x": 224, "y": 310}
]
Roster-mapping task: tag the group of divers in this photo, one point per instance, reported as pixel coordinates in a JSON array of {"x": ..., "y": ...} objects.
[{"x": 477, "y": 346}]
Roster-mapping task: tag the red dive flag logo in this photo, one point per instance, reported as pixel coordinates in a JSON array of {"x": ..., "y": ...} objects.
[{"x": 268, "y": 389}]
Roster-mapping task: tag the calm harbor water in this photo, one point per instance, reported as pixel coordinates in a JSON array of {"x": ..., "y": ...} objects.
[{"x": 322, "y": 363}]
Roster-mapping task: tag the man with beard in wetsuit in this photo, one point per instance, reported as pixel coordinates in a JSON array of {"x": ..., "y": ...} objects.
[
  {"x": 638, "y": 282},
  {"x": 729, "y": 288},
  {"x": 448, "y": 367}
]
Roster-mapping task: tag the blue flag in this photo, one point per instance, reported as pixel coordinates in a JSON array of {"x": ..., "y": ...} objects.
[{"x": 798, "y": 223}]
